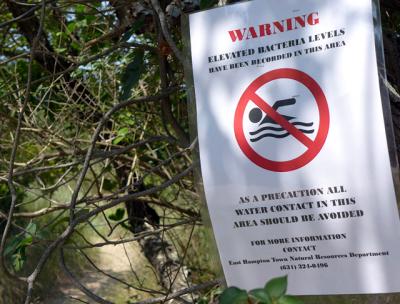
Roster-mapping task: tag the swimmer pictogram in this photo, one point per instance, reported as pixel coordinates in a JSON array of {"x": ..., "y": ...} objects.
[{"x": 267, "y": 127}]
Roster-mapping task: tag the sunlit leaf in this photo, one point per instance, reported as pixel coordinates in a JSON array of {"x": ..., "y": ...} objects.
[
  {"x": 276, "y": 287},
  {"x": 19, "y": 259}
]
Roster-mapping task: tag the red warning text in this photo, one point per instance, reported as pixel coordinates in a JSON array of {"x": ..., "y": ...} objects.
[{"x": 274, "y": 27}]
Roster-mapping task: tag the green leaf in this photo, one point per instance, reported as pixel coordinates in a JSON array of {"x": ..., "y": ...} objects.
[
  {"x": 31, "y": 228},
  {"x": 12, "y": 246},
  {"x": 117, "y": 140},
  {"x": 118, "y": 215},
  {"x": 18, "y": 246},
  {"x": 21, "y": 241},
  {"x": 123, "y": 132},
  {"x": 205, "y": 4},
  {"x": 18, "y": 259},
  {"x": 276, "y": 288},
  {"x": 81, "y": 23},
  {"x": 75, "y": 45},
  {"x": 60, "y": 50},
  {"x": 289, "y": 300},
  {"x": 80, "y": 8},
  {"x": 260, "y": 295},
  {"x": 71, "y": 27},
  {"x": 109, "y": 185},
  {"x": 233, "y": 295},
  {"x": 25, "y": 242},
  {"x": 132, "y": 73}
]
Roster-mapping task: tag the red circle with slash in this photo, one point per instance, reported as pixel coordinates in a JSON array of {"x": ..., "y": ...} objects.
[{"x": 313, "y": 146}]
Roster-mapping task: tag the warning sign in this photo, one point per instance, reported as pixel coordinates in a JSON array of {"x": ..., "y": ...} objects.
[
  {"x": 295, "y": 129},
  {"x": 293, "y": 149}
]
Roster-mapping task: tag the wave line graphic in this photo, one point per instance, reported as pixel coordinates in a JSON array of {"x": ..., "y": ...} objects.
[
  {"x": 266, "y": 129},
  {"x": 279, "y": 135},
  {"x": 297, "y": 123},
  {"x": 269, "y": 135}
]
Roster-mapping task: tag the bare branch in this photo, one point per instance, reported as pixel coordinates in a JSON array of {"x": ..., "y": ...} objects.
[
  {"x": 140, "y": 235},
  {"x": 38, "y": 213},
  {"x": 165, "y": 31}
]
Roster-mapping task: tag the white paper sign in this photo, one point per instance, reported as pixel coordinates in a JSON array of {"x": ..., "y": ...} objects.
[{"x": 292, "y": 144}]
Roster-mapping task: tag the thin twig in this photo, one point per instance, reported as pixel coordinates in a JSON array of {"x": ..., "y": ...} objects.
[
  {"x": 96, "y": 134},
  {"x": 141, "y": 235}
]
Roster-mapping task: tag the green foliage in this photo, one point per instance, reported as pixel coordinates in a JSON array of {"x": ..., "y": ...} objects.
[
  {"x": 16, "y": 248},
  {"x": 276, "y": 288},
  {"x": 132, "y": 73},
  {"x": 274, "y": 292},
  {"x": 121, "y": 134},
  {"x": 260, "y": 295},
  {"x": 117, "y": 215},
  {"x": 233, "y": 295},
  {"x": 109, "y": 185}
]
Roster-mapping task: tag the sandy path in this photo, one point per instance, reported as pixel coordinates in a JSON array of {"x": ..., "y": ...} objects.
[{"x": 115, "y": 261}]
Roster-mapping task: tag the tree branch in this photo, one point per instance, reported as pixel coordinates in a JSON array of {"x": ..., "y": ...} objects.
[{"x": 164, "y": 27}]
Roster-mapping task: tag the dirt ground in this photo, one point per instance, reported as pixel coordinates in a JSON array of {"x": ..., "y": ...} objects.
[{"x": 121, "y": 262}]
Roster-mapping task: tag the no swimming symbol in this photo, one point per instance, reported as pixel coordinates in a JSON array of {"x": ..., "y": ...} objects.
[{"x": 297, "y": 129}]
